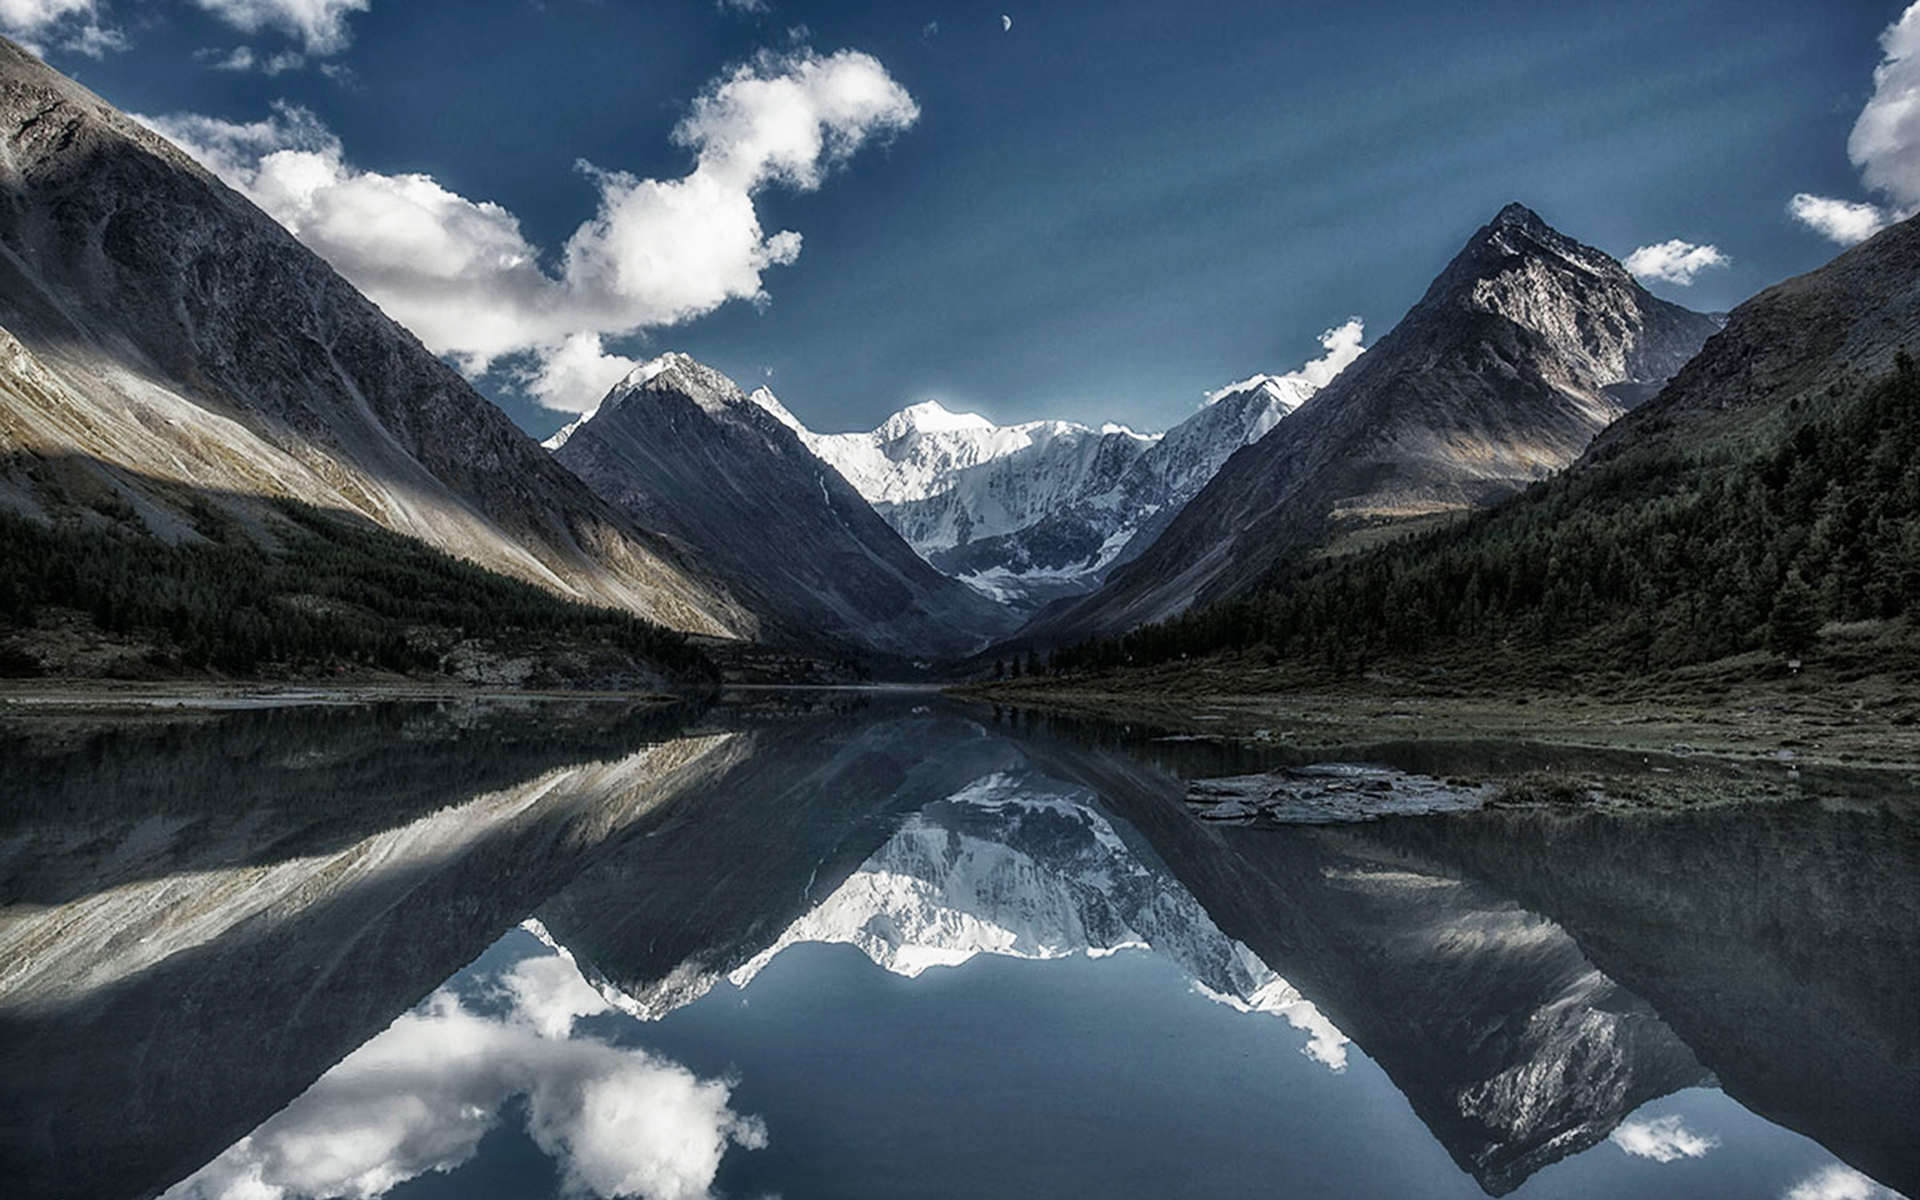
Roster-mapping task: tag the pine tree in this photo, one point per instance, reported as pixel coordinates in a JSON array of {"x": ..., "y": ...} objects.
[{"x": 1793, "y": 625}]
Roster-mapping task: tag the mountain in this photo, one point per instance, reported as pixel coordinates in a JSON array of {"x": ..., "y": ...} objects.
[
  {"x": 168, "y": 353},
  {"x": 1017, "y": 865},
  {"x": 679, "y": 447},
  {"x": 1522, "y": 350},
  {"x": 1509, "y": 1044},
  {"x": 1766, "y": 493},
  {"x": 1789, "y": 352},
  {"x": 1031, "y": 512}
]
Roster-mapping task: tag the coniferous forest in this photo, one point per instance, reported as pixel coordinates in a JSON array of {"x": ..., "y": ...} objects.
[
  {"x": 330, "y": 596},
  {"x": 1662, "y": 556}
]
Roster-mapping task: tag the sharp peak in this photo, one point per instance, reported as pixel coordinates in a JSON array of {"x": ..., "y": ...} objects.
[
  {"x": 1517, "y": 213},
  {"x": 1516, "y": 231},
  {"x": 676, "y": 375},
  {"x": 657, "y": 365}
]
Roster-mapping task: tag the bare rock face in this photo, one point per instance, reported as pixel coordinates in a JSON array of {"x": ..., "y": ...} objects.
[
  {"x": 1522, "y": 350},
  {"x": 1798, "y": 345},
  {"x": 165, "y": 340},
  {"x": 679, "y": 447}
]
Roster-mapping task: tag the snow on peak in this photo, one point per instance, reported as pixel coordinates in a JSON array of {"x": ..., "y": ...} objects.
[
  {"x": 1342, "y": 344},
  {"x": 1020, "y": 866},
  {"x": 765, "y": 398},
  {"x": 635, "y": 379},
  {"x": 640, "y": 375},
  {"x": 929, "y": 416},
  {"x": 560, "y": 439}
]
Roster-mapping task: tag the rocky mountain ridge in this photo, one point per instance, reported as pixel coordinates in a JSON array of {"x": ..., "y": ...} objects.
[
  {"x": 169, "y": 349},
  {"x": 1521, "y": 351},
  {"x": 678, "y": 447}
]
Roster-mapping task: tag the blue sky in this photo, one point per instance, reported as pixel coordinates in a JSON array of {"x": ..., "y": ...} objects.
[{"x": 1098, "y": 214}]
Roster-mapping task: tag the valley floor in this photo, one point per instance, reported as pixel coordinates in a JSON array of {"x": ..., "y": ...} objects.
[{"x": 1869, "y": 721}]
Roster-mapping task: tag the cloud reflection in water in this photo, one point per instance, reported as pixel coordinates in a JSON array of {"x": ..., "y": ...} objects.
[{"x": 419, "y": 1098}]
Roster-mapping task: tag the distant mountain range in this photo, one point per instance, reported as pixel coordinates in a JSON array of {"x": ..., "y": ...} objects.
[{"x": 1031, "y": 512}]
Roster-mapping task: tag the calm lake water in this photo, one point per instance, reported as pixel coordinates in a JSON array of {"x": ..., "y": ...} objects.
[{"x": 844, "y": 945}]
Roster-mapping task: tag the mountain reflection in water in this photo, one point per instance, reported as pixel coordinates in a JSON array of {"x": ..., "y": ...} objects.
[{"x": 588, "y": 949}]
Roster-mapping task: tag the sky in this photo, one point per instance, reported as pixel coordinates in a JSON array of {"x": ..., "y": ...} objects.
[{"x": 1028, "y": 210}]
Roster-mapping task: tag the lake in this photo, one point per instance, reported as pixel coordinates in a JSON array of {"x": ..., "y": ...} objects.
[{"x": 884, "y": 944}]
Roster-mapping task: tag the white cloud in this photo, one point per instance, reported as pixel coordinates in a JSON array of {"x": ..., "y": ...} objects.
[
  {"x": 461, "y": 275},
  {"x": 41, "y": 25},
  {"x": 1674, "y": 262},
  {"x": 575, "y": 376},
  {"x": 421, "y": 1095},
  {"x": 1839, "y": 1183},
  {"x": 241, "y": 58},
  {"x": 1342, "y": 344},
  {"x": 1843, "y": 221},
  {"x": 1884, "y": 145},
  {"x": 1662, "y": 1139},
  {"x": 549, "y": 993},
  {"x": 319, "y": 25}
]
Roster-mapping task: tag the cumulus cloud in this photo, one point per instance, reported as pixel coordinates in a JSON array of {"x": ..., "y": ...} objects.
[
  {"x": 43, "y": 25},
  {"x": 1839, "y": 1183},
  {"x": 463, "y": 277},
  {"x": 420, "y": 1096},
  {"x": 1674, "y": 262},
  {"x": 576, "y": 375},
  {"x": 549, "y": 993},
  {"x": 1843, "y": 221},
  {"x": 319, "y": 25},
  {"x": 1342, "y": 344},
  {"x": 1884, "y": 145},
  {"x": 1662, "y": 1139}
]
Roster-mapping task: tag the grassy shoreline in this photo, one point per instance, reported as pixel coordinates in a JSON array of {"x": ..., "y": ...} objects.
[
  {"x": 19, "y": 696},
  {"x": 1867, "y": 721}
]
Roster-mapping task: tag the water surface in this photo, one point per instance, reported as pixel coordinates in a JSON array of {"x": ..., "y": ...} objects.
[{"x": 846, "y": 945}]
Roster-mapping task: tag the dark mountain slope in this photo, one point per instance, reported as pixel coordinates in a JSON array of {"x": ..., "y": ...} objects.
[
  {"x": 1770, "y": 488},
  {"x": 164, "y": 340},
  {"x": 1523, "y": 349},
  {"x": 679, "y": 447}
]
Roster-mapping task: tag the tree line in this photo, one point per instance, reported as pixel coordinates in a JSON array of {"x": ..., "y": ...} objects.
[
  {"x": 331, "y": 595},
  {"x": 1661, "y": 556}
]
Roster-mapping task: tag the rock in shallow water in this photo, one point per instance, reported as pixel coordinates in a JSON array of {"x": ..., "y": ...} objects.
[{"x": 1329, "y": 793}]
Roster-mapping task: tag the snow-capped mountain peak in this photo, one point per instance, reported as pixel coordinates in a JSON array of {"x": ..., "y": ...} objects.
[
  {"x": 930, "y": 416},
  {"x": 765, "y": 398},
  {"x": 1029, "y": 512},
  {"x": 643, "y": 374},
  {"x": 1288, "y": 389},
  {"x": 639, "y": 377}
]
